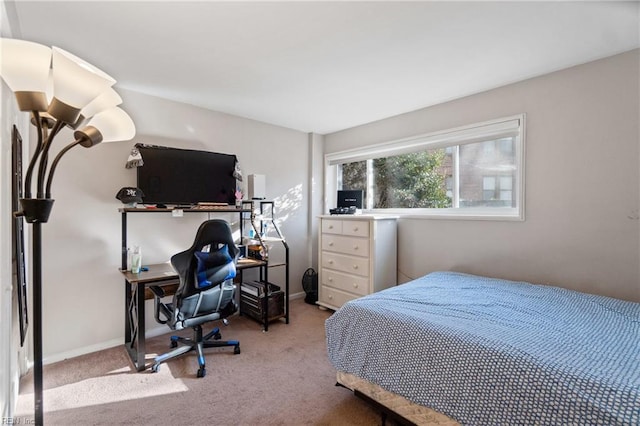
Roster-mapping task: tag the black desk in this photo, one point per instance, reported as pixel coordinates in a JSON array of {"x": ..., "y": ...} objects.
[
  {"x": 161, "y": 274},
  {"x": 164, "y": 275}
]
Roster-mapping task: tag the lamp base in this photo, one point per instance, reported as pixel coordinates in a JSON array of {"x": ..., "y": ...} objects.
[{"x": 36, "y": 209}]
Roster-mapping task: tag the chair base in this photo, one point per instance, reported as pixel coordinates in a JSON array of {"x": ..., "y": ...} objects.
[{"x": 199, "y": 342}]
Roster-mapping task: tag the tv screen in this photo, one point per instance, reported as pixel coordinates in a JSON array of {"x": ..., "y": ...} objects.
[
  {"x": 350, "y": 197},
  {"x": 185, "y": 176}
]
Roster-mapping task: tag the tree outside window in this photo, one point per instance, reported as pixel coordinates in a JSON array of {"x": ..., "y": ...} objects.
[{"x": 425, "y": 179}]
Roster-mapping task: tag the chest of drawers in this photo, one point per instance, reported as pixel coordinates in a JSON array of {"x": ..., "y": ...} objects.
[{"x": 357, "y": 257}]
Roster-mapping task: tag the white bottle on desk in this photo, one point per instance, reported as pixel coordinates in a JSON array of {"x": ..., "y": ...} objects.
[{"x": 136, "y": 259}]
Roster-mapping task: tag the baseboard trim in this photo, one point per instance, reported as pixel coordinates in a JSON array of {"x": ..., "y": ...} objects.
[
  {"x": 153, "y": 332},
  {"x": 298, "y": 295},
  {"x": 61, "y": 356}
]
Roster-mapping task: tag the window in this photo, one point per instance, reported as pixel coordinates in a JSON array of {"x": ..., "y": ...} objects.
[{"x": 474, "y": 171}]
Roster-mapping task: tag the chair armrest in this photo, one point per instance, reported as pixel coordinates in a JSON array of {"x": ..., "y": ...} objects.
[
  {"x": 157, "y": 291},
  {"x": 159, "y": 307}
]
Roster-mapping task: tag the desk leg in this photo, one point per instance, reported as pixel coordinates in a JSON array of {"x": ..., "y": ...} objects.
[
  {"x": 239, "y": 293},
  {"x": 128, "y": 325},
  {"x": 141, "y": 327},
  {"x": 134, "y": 334},
  {"x": 266, "y": 298}
]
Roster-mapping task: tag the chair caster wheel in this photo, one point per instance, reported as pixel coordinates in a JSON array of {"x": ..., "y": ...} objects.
[
  {"x": 217, "y": 336},
  {"x": 173, "y": 344},
  {"x": 155, "y": 368},
  {"x": 201, "y": 372},
  {"x": 236, "y": 350}
]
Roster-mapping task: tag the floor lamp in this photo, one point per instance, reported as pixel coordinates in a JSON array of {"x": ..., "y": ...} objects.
[{"x": 59, "y": 90}]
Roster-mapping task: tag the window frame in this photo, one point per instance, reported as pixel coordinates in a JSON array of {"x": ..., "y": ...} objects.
[{"x": 493, "y": 129}]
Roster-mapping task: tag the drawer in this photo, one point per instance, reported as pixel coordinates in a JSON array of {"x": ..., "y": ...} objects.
[
  {"x": 330, "y": 226},
  {"x": 333, "y": 297},
  {"x": 356, "y": 228},
  {"x": 349, "y": 264},
  {"x": 347, "y": 245},
  {"x": 347, "y": 282}
]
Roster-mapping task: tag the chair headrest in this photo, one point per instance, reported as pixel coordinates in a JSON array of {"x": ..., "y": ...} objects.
[{"x": 214, "y": 266}]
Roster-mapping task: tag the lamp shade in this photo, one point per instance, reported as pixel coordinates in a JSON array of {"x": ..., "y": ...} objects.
[
  {"x": 107, "y": 126},
  {"x": 104, "y": 101},
  {"x": 107, "y": 99},
  {"x": 49, "y": 89},
  {"x": 24, "y": 65},
  {"x": 75, "y": 81}
]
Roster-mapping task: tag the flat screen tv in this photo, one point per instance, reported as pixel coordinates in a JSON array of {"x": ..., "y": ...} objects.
[{"x": 185, "y": 176}]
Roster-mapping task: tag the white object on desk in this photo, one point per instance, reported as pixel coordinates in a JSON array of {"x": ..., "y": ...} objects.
[{"x": 257, "y": 187}]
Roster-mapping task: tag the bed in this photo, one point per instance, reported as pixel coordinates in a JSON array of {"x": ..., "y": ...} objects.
[{"x": 453, "y": 348}]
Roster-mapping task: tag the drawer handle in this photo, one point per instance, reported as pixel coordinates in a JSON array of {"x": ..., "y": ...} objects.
[
  {"x": 355, "y": 266},
  {"x": 355, "y": 229},
  {"x": 330, "y": 262},
  {"x": 355, "y": 285},
  {"x": 356, "y": 247},
  {"x": 330, "y": 226},
  {"x": 330, "y": 279},
  {"x": 331, "y": 244},
  {"x": 330, "y": 296}
]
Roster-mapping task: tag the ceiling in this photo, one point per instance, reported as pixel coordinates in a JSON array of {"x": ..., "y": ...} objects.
[{"x": 326, "y": 66}]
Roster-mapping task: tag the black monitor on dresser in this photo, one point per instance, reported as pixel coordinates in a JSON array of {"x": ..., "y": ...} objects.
[{"x": 350, "y": 198}]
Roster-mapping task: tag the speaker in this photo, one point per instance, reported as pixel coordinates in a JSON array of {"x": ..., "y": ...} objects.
[{"x": 257, "y": 188}]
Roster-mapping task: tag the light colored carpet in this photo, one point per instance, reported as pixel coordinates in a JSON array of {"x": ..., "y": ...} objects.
[{"x": 282, "y": 377}]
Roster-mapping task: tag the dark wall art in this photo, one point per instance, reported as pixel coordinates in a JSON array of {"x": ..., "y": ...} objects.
[{"x": 19, "y": 273}]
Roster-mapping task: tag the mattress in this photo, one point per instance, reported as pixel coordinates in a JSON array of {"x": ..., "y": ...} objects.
[{"x": 488, "y": 351}]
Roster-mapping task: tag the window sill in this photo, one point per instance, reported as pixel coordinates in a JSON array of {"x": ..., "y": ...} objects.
[{"x": 453, "y": 214}]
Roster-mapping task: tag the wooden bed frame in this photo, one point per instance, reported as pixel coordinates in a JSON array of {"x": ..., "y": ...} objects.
[{"x": 396, "y": 407}]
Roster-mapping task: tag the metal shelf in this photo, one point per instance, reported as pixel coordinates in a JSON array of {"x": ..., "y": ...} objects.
[{"x": 259, "y": 223}]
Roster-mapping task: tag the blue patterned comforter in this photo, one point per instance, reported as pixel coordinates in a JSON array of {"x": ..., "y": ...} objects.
[{"x": 486, "y": 351}]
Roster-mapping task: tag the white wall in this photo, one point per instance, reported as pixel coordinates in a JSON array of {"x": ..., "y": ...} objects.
[
  {"x": 83, "y": 290},
  {"x": 9, "y": 326},
  {"x": 12, "y": 355},
  {"x": 316, "y": 201},
  {"x": 582, "y": 183}
]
